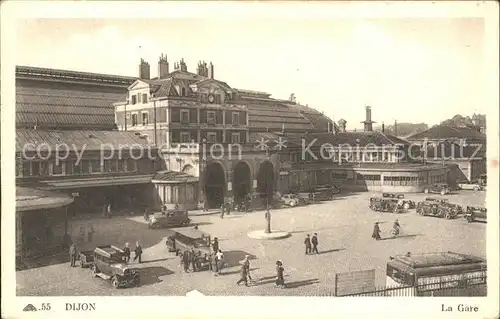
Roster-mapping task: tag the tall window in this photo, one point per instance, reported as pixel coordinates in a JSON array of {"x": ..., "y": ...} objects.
[
  {"x": 235, "y": 138},
  {"x": 134, "y": 99},
  {"x": 131, "y": 165},
  {"x": 211, "y": 117},
  {"x": 183, "y": 92},
  {"x": 27, "y": 168},
  {"x": 84, "y": 167},
  {"x": 184, "y": 116},
  {"x": 44, "y": 168},
  {"x": 95, "y": 166},
  {"x": 236, "y": 118},
  {"x": 185, "y": 137},
  {"x": 145, "y": 118},
  {"x": 218, "y": 99},
  {"x": 144, "y": 98},
  {"x": 134, "y": 119},
  {"x": 57, "y": 168},
  {"x": 212, "y": 137}
]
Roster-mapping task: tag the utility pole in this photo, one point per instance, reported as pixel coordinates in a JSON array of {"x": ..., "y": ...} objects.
[{"x": 268, "y": 212}]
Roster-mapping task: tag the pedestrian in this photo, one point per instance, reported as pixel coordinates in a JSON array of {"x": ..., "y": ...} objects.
[
  {"x": 72, "y": 255},
  {"x": 185, "y": 260},
  {"x": 146, "y": 214},
  {"x": 138, "y": 252},
  {"x": 222, "y": 211},
  {"x": 215, "y": 245},
  {"x": 376, "y": 232},
  {"x": 396, "y": 227},
  {"x": 307, "y": 242},
  {"x": 246, "y": 263},
  {"x": 213, "y": 263},
  {"x": 243, "y": 275},
  {"x": 108, "y": 209},
  {"x": 220, "y": 262},
  {"x": 280, "y": 279},
  {"x": 126, "y": 251},
  {"x": 314, "y": 242},
  {"x": 193, "y": 259}
]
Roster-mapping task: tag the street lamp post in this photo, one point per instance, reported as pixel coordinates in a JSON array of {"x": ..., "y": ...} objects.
[{"x": 268, "y": 212}]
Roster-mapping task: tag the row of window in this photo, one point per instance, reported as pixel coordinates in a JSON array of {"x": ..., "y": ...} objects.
[
  {"x": 85, "y": 167},
  {"x": 173, "y": 194},
  {"x": 346, "y": 157},
  {"x": 235, "y": 138},
  {"x": 139, "y": 98},
  {"x": 211, "y": 118}
]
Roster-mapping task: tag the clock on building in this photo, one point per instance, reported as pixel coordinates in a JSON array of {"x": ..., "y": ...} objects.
[{"x": 211, "y": 98}]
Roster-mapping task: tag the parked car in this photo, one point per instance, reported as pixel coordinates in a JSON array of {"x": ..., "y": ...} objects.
[
  {"x": 303, "y": 198},
  {"x": 482, "y": 180},
  {"x": 436, "y": 209},
  {"x": 321, "y": 193},
  {"x": 109, "y": 264},
  {"x": 475, "y": 214},
  {"x": 379, "y": 204},
  {"x": 86, "y": 258},
  {"x": 434, "y": 199},
  {"x": 191, "y": 238},
  {"x": 440, "y": 188},
  {"x": 170, "y": 218},
  {"x": 407, "y": 203},
  {"x": 470, "y": 186},
  {"x": 444, "y": 201},
  {"x": 290, "y": 200}
]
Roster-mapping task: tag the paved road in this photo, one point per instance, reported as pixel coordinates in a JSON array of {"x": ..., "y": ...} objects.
[{"x": 344, "y": 226}]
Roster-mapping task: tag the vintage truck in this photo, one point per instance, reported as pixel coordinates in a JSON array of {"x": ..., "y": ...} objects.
[
  {"x": 191, "y": 239},
  {"x": 109, "y": 264}
]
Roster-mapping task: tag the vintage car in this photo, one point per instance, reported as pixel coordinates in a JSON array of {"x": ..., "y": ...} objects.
[
  {"x": 437, "y": 200},
  {"x": 169, "y": 218},
  {"x": 322, "y": 193},
  {"x": 470, "y": 186},
  {"x": 444, "y": 201},
  {"x": 187, "y": 239},
  {"x": 393, "y": 195},
  {"x": 439, "y": 188},
  {"x": 475, "y": 214},
  {"x": 379, "y": 204},
  {"x": 86, "y": 258},
  {"x": 109, "y": 264},
  {"x": 436, "y": 209},
  {"x": 290, "y": 200}
]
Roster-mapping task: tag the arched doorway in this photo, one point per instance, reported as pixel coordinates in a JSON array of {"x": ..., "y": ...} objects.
[
  {"x": 215, "y": 181},
  {"x": 242, "y": 181},
  {"x": 265, "y": 181},
  {"x": 188, "y": 169}
]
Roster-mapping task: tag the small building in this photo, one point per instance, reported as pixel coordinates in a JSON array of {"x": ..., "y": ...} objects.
[{"x": 176, "y": 188}]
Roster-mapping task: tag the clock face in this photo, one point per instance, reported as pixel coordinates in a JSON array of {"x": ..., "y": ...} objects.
[{"x": 211, "y": 98}]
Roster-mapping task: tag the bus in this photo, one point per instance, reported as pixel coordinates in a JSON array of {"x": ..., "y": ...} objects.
[{"x": 436, "y": 274}]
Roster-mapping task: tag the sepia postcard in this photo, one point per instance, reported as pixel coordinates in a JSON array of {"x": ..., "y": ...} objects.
[{"x": 250, "y": 159}]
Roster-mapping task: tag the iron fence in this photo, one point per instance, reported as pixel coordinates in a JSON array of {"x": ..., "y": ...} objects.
[{"x": 468, "y": 287}]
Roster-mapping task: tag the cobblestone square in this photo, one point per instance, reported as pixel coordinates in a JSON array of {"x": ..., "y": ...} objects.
[{"x": 344, "y": 228}]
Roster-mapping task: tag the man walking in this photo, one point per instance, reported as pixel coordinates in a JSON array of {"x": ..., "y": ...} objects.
[
  {"x": 246, "y": 262},
  {"x": 215, "y": 245},
  {"x": 307, "y": 242},
  {"x": 193, "y": 256},
  {"x": 72, "y": 255},
  {"x": 138, "y": 251},
  {"x": 314, "y": 242},
  {"x": 185, "y": 260},
  {"x": 243, "y": 275}
]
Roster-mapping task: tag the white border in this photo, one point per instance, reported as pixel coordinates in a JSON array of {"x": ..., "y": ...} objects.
[{"x": 248, "y": 307}]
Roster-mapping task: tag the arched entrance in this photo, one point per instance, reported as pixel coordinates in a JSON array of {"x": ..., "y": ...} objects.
[
  {"x": 188, "y": 169},
  {"x": 215, "y": 181},
  {"x": 242, "y": 181},
  {"x": 265, "y": 181}
]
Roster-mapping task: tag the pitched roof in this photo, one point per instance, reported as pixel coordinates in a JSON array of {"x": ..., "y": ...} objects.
[
  {"x": 447, "y": 132},
  {"x": 81, "y": 139},
  {"x": 358, "y": 138},
  {"x": 75, "y": 107},
  {"x": 450, "y": 150}
]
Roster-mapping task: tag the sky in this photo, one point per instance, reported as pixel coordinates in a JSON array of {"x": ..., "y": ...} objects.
[{"x": 409, "y": 70}]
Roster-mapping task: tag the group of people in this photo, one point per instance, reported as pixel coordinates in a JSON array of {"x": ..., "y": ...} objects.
[
  {"x": 311, "y": 244},
  {"x": 376, "y": 230}
]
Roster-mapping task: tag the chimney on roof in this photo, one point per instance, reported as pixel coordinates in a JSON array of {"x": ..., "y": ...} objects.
[
  {"x": 144, "y": 70},
  {"x": 183, "y": 66},
  {"x": 202, "y": 68},
  {"x": 342, "y": 125},
  {"x": 210, "y": 71},
  {"x": 368, "y": 120},
  {"x": 383, "y": 127},
  {"x": 162, "y": 67}
]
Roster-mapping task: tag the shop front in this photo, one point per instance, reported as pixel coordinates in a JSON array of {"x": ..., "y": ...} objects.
[
  {"x": 176, "y": 189},
  {"x": 41, "y": 221}
]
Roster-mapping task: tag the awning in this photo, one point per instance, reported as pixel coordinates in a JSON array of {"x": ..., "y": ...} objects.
[
  {"x": 32, "y": 198},
  {"x": 98, "y": 181},
  {"x": 172, "y": 177}
]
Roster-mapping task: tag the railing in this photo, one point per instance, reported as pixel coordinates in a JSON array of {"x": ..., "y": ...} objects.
[{"x": 472, "y": 287}]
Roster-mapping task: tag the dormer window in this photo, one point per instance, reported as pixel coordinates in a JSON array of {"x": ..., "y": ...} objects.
[
  {"x": 218, "y": 99},
  {"x": 183, "y": 92}
]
